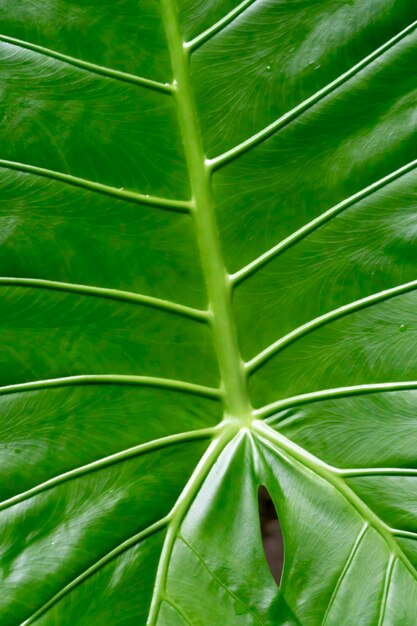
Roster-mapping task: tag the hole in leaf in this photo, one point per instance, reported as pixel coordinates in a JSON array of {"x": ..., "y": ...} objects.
[{"x": 271, "y": 534}]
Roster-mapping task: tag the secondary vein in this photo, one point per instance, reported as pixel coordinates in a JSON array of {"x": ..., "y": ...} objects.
[
  {"x": 182, "y": 206},
  {"x": 387, "y": 583},
  {"x": 345, "y": 569},
  {"x": 315, "y": 224},
  {"x": 273, "y": 349},
  {"x": 218, "y": 580},
  {"x": 288, "y": 117},
  {"x": 219, "y": 25},
  {"x": 104, "y": 292},
  {"x": 329, "y": 394},
  {"x": 177, "y": 515},
  {"x": 114, "y": 379},
  {"x": 93, "y": 569},
  {"x": 90, "y": 67},
  {"x": 112, "y": 459},
  {"x": 377, "y": 471}
]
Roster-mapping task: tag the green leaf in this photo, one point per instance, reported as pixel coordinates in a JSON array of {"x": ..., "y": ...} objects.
[{"x": 208, "y": 260}]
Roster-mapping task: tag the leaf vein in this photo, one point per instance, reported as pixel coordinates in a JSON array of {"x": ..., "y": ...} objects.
[
  {"x": 345, "y": 569},
  {"x": 316, "y": 223},
  {"x": 377, "y": 471},
  {"x": 220, "y": 25},
  {"x": 178, "y": 513},
  {"x": 288, "y": 448},
  {"x": 217, "y": 579},
  {"x": 178, "y": 609},
  {"x": 104, "y": 292},
  {"x": 129, "y": 543},
  {"x": 328, "y": 394},
  {"x": 113, "y": 379},
  {"x": 407, "y": 534},
  {"x": 99, "y": 464},
  {"x": 271, "y": 129},
  {"x": 264, "y": 356},
  {"x": 387, "y": 583},
  {"x": 90, "y": 67},
  {"x": 181, "y": 206}
]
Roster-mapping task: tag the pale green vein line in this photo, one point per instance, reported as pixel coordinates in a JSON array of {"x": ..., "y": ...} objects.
[
  {"x": 377, "y": 471},
  {"x": 182, "y": 206},
  {"x": 407, "y": 534},
  {"x": 315, "y": 224},
  {"x": 329, "y": 394},
  {"x": 220, "y": 25},
  {"x": 178, "y": 513},
  {"x": 385, "y": 593},
  {"x": 105, "y": 462},
  {"x": 177, "y": 609},
  {"x": 114, "y": 379},
  {"x": 129, "y": 543},
  {"x": 288, "y": 117},
  {"x": 112, "y": 294},
  {"x": 218, "y": 580},
  {"x": 342, "y": 576},
  {"x": 287, "y": 448},
  {"x": 264, "y": 356},
  {"x": 90, "y": 67}
]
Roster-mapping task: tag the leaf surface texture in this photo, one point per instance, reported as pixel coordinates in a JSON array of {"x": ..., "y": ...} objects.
[{"x": 208, "y": 283}]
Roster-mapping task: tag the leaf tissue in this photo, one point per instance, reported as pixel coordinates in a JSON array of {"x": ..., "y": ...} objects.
[{"x": 208, "y": 228}]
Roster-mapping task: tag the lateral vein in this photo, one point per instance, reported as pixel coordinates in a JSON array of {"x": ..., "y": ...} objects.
[
  {"x": 345, "y": 569},
  {"x": 316, "y": 223},
  {"x": 90, "y": 67},
  {"x": 178, "y": 609},
  {"x": 407, "y": 534},
  {"x": 104, "y": 292},
  {"x": 288, "y": 117},
  {"x": 219, "y": 25},
  {"x": 217, "y": 579},
  {"x": 328, "y": 394},
  {"x": 178, "y": 513},
  {"x": 114, "y": 379},
  {"x": 93, "y": 569},
  {"x": 112, "y": 459},
  {"x": 376, "y": 471},
  {"x": 264, "y": 356},
  {"x": 387, "y": 584},
  {"x": 182, "y": 206}
]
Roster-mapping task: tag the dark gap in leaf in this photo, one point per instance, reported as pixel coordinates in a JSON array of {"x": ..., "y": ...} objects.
[{"x": 272, "y": 539}]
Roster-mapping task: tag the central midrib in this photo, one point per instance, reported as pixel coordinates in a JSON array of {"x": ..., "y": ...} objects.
[{"x": 219, "y": 289}]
